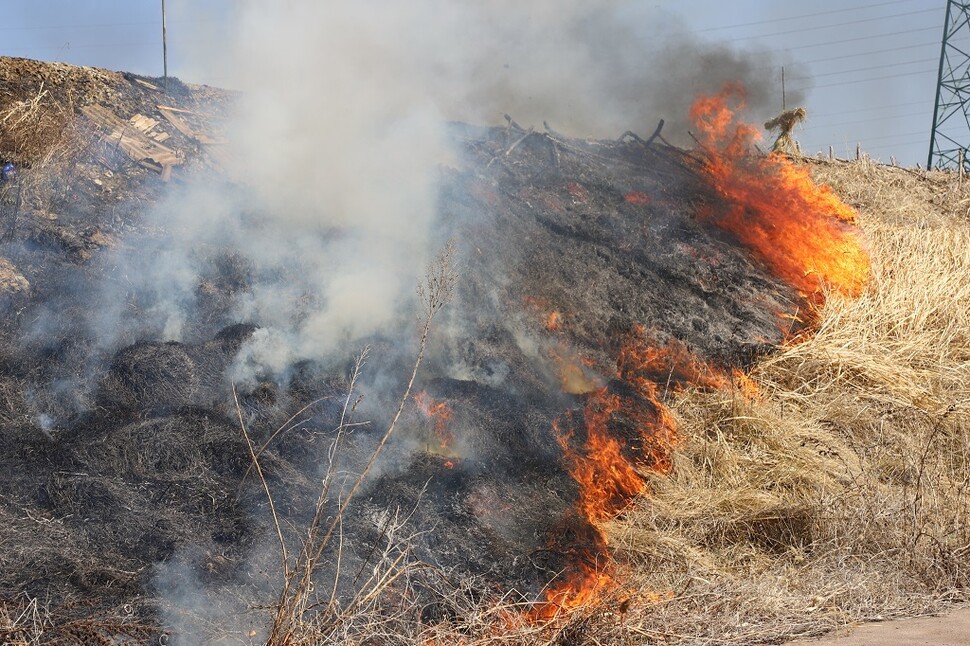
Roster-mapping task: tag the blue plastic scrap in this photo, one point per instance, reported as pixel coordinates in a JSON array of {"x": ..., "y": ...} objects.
[{"x": 8, "y": 172}]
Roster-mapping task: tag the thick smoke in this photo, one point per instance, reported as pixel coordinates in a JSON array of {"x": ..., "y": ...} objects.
[{"x": 339, "y": 137}]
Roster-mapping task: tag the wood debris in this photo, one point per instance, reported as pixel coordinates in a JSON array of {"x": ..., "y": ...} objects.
[{"x": 130, "y": 136}]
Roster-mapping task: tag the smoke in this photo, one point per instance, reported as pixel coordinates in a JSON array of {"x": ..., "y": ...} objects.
[
  {"x": 338, "y": 139},
  {"x": 197, "y": 611}
]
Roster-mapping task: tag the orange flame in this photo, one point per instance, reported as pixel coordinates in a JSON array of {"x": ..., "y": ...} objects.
[
  {"x": 624, "y": 436},
  {"x": 798, "y": 229},
  {"x": 747, "y": 386},
  {"x": 441, "y": 414},
  {"x": 637, "y": 198},
  {"x": 573, "y": 378},
  {"x": 553, "y": 321}
]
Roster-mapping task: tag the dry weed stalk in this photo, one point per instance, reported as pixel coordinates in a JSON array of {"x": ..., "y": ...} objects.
[
  {"x": 300, "y": 609},
  {"x": 23, "y": 623}
]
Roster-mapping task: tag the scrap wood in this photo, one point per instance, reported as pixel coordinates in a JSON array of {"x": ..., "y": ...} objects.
[
  {"x": 179, "y": 123},
  {"x": 143, "y": 123},
  {"x": 150, "y": 86},
  {"x": 174, "y": 109},
  {"x": 171, "y": 114},
  {"x": 133, "y": 141}
]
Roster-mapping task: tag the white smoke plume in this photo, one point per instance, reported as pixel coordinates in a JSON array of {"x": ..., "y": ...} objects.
[{"x": 339, "y": 136}]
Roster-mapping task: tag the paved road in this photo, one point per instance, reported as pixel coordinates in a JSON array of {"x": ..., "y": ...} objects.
[{"x": 950, "y": 630}]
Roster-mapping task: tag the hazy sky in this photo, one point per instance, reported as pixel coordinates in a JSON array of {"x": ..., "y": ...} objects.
[{"x": 869, "y": 67}]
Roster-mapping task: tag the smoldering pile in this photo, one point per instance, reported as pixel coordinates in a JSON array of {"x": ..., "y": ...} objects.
[{"x": 566, "y": 247}]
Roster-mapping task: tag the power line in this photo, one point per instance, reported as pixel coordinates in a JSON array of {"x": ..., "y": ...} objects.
[
  {"x": 866, "y": 80},
  {"x": 801, "y": 30},
  {"x": 814, "y": 126},
  {"x": 894, "y": 105},
  {"x": 810, "y": 15},
  {"x": 103, "y": 24},
  {"x": 894, "y": 135},
  {"x": 858, "y": 38},
  {"x": 878, "y": 51},
  {"x": 863, "y": 69},
  {"x": 898, "y": 144}
]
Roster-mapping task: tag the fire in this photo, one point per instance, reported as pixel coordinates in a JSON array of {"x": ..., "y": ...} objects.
[
  {"x": 441, "y": 414},
  {"x": 800, "y": 230},
  {"x": 803, "y": 233},
  {"x": 587, "y": 578},
  {"x": 607, "y": 478},
  {"x": 623, "y": 435},
  {"x": 573, "y": 378},
  {"x": 637, "y": 198},
  {"x": 747, "y": 386},
  {"x": 553, "y": 321}
]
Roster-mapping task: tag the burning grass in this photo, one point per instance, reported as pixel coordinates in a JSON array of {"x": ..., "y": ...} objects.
[{"x": 829, "y": 486}]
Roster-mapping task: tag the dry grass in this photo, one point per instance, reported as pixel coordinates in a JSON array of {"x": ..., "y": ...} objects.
[
  {"x": 45, "y": 140},
  {"x": 841, "y": 493}
]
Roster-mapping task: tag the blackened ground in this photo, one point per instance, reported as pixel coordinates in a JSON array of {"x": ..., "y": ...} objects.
[{"x": 114, "y": 457}]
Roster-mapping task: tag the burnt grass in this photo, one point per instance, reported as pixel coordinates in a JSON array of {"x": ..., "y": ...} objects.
[{"x": 116, "y": 458}]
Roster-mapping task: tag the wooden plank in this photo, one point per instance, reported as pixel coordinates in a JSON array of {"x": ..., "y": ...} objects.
[
  {"x": 143, "y": 123},
  {"x": 177, "y": 121},
  {"x": 183, "y": 126},
  {"x": 129, "y": 137},
  {"x": 148, "y": 85},
  {"x": 171, "y": 109}
]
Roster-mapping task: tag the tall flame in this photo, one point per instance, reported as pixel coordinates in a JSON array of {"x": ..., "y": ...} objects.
[{"x": 800, "y": 230}]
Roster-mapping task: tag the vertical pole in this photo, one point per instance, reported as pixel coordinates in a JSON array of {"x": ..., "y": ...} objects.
[
  {"x": 784, "y": 102},
  {"x": 939, "y": 85},
  {"x": 164, "y": 47}
]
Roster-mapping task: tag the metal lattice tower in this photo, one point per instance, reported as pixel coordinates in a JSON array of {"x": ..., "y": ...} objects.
[{"x": 950, "y": 136}]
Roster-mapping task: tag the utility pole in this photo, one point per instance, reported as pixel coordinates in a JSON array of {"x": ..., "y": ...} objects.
[
  {"x": 784, "y": 102},
  {"x": 164, "y": 48},
  {"x": 950, "y": 133}
]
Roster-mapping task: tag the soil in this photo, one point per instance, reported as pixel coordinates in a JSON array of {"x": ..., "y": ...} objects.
[{"x": 952, "y": 629}]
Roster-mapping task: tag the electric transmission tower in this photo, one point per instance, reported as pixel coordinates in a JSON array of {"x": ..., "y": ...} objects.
[{"x": 950, "y": 136}]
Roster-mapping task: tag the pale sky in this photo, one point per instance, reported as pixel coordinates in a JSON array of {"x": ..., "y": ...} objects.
[{"x": 869, "y": 66}]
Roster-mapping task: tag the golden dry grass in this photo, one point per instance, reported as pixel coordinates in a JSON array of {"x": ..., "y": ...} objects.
[{"x": 840, "y": 493}]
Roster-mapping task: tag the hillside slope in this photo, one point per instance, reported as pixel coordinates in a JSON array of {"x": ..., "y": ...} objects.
[{"x": 611, "y": 329}]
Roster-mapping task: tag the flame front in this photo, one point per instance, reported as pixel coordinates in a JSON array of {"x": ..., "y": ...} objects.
[
  {"x": 441, "y": 415},
  {"x": 801, "y": 231},
  {"x": 623, "y": 435}
]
